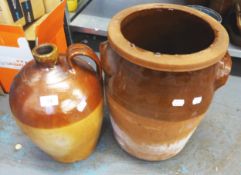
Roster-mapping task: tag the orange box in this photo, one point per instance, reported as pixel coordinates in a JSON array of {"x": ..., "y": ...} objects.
[{"x": 14, "y": 48}]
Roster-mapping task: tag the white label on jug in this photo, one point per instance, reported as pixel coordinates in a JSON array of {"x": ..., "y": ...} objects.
[
  {"x": 81, "y": 106},
  {"x": 196, "y": 100},
  {"x": 178, "y": 102},
  {"x": 50, "y": 100}
]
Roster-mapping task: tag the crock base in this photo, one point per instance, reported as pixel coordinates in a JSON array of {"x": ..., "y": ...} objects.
[{"x": 155, "y": 152}]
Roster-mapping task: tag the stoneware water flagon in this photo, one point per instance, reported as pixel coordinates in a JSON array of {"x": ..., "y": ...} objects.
[
  {"x": 57, "y": 101},
  {"x": 162, "y": 64}
]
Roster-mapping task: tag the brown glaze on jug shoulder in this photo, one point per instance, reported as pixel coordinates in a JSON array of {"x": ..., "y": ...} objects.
[
  {"x": 163, "y": 64},
  {"x": 57, "y": 101}
]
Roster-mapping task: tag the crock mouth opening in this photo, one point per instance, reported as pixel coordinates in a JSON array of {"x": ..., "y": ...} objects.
[
  {"x": 167, "y": 37},
  {"x": 167, "y": 31}
]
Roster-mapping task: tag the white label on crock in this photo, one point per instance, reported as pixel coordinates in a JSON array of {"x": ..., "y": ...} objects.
[
  {"x": 196, "y": 100},
  {"x": 178, "y": 102},
  {"x": 50, "y": 100}
]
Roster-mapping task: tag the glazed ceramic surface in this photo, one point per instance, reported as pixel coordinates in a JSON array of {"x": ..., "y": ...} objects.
[
  {"x": 57, "y": 101},
  {"x": 163, "y": 64},
  {"x": 222, "y": 6},
  {"x": 198, "y": 2}
]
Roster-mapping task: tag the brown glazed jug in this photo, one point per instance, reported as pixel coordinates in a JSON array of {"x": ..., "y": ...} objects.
[
  {"x": 163, "y": 63},
  {"x": 57, "y": 101}
]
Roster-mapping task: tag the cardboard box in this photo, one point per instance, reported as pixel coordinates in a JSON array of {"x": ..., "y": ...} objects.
[
  {"x": 14, "y": 47},
  {"x": 32, "y": 9},
  {"x": 1, "y": 16},
  {"x": 11, "y": 13},
  {"x": 51, "y": 4},
  {"x": 1, "y": 91},
  {"x": 30, "y": 31}
]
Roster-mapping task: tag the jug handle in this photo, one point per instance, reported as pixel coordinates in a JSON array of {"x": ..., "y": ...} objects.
[
  {"x": 83, "y": 50},
  {"x": 224, "y": 69}
]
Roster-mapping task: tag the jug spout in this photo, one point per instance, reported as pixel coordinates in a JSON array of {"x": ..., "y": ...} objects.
[{"x": 46, "y": 55}]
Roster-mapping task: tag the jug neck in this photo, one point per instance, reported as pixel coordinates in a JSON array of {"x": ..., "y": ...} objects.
[{"x": 46, "y": 55}]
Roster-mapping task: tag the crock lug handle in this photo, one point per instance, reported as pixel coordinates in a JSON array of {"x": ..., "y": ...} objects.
[
  {"x": 224, "y": 69},
  {"x": 105, "y": 63}
]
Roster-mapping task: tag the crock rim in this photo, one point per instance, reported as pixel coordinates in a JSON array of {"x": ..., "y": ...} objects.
[{"x": 168, "y": 62}]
